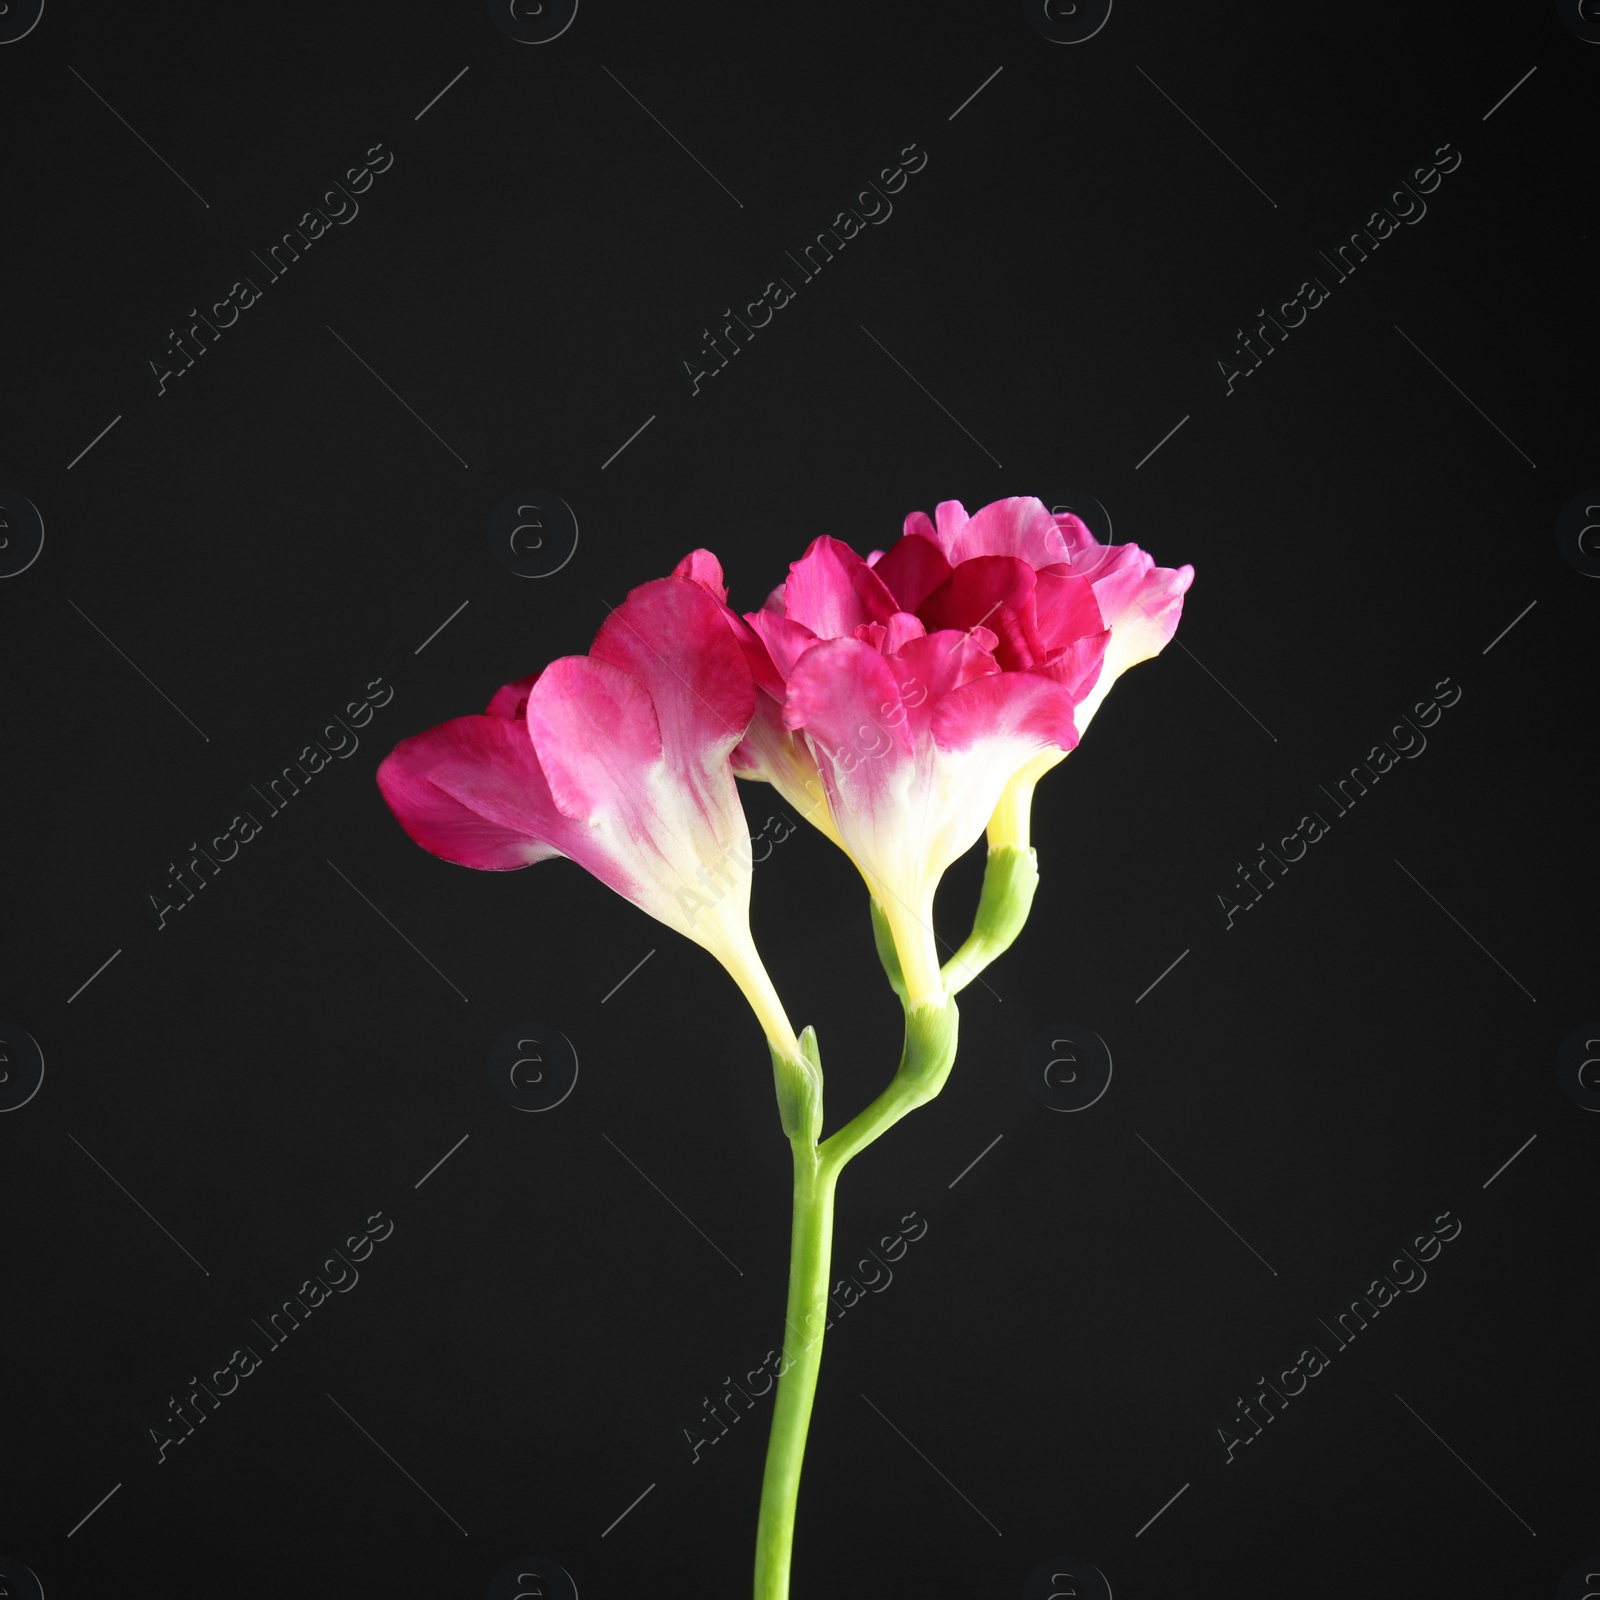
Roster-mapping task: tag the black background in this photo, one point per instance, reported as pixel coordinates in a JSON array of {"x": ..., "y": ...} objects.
[{"x": 278, "y": 1062}]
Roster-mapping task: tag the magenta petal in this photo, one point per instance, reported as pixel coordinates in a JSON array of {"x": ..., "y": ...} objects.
[
  {"x": 1066, "y": 607},
  {"x": 1135, "y": 596},
  {"x": 902, "y": 628},
  {"x": 914, "y": 567},
  {"x": 471, "y": 791},
  {"x": 949, "y": 518},
  {"x": 701, "y": 567},
  {"x": 595, "y": 732},
  {"x": 996, "y": 592},
  {"x": 671, "y": 636},
  {"x": 1020, "y": 526},
  {"x": 786, "y": 642},
  {"x": 1019, "y": 708},
  {"x": 831, "y": 591},
  {"x": 929, "y": 668},
  {"x": 511, "y": 700},
  {"x": 1076, "y": 666},
  {"x": 844, "y": 694}
]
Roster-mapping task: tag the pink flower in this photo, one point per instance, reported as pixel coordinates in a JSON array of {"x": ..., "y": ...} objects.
[
  {"x": 910, "y": 699},
  {"x": 618, "y": 760}
]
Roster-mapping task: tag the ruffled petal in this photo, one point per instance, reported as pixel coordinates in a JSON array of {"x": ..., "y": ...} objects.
[
  {"x": 895, "y": 635},
  {"x": 1020, "y": 712},
  {"x": 844, "y": 695},
  {"x": 1065, "y": 607},
  {"x": 996, "y": 592},
  {"x": 671, "y": 636},
  {"x": 1076, "y": 666},
  {"x": 928, "y": 669},
  {"x": 914, "y": 566},
  {"x": 472, "y": 792},
  {"x": 511, "y": 700},
  {"x": 1020, "y": 526},
  {"x": 596, "y": 734},
  {"x": 701, "y": 567},
  {"x": 831, "y": 590},
  {"x": 785, "y": 641}
]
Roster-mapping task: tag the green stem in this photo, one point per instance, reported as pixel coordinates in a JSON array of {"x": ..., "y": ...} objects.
[
  {"x": 930, "y": 1047},
  {"x": 1010, "y": 880},
  {"x": 810, "y": 1255}
]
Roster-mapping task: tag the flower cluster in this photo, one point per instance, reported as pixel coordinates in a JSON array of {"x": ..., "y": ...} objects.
[{"x": 904, "y": 702}]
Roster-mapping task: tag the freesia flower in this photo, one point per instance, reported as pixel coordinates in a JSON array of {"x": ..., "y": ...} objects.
[
  {"x": 619, "y": 760},
  {"x": 907, "y": 692},
  {"x": 910, "y": 699}
]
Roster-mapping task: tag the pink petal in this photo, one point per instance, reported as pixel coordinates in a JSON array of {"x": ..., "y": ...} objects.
[
  {"x": 785, "y": 640},
  {"x": 1067, "y": 607},
  {"x": 671, "y": 636},
  {"x": 831, "y": 590},
  {"x": 596, "y": 735},
  {"x": 1076, "y": 666},
  {"x": 1019, "y": 709},
  {"x": 845, "y": 696},
  {"x": 996, "y": 592},
  {"x": 471, "y": 791},
  {"x": 914, "y": 567},
  {"x": 888, "y": 639},
  {"x": 949, "y": 518},
  {"x": 511, "y": 700},
  {"x": 1136, "y": 598},
  {"x": 928, "y": 669},
  {"x": 1020, "y": 526},
  {"x": 701, "y": 567}
]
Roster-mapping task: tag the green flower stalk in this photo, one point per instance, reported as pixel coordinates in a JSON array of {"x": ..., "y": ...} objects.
[
  {"x": 904, "y": 704},
  {"x": 925, "y": 1061}
]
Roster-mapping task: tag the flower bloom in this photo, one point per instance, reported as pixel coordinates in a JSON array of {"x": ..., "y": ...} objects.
[
  {"x": 1140, "y": 604},
  {"x": 910, "y": 698},
  {"x": 619, "y": 760},
  {"x": 905, "y": 692}
]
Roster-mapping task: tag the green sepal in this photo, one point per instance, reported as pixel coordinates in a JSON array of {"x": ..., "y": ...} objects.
[
  {"x": 887, "y": 953},
  {"x": 930, "y": 1048},
  {"x": 1010, "y": 879},
  {"x": 799, "y": 1084}
]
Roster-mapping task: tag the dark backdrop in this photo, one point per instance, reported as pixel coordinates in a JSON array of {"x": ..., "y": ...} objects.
[{"x": 306, "y": 512}]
